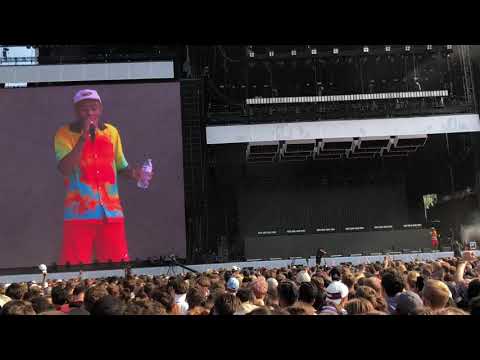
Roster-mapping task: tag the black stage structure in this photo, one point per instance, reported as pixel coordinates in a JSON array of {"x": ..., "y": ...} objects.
[
  {"x": 280, "y": 199},
  {"x": 346, "y": 206}
]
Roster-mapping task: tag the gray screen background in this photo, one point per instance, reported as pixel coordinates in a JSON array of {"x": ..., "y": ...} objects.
[{"x": 148, "y": 117}]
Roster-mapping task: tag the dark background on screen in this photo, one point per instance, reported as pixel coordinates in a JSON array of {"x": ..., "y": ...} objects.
[{"x": 148, "y": 117}]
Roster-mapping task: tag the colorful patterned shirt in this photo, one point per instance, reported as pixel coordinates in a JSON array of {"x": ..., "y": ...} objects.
[{"x": 91, "y": 189}]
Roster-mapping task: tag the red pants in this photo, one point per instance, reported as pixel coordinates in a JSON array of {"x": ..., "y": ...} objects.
[{"x": 80, "y": 238}]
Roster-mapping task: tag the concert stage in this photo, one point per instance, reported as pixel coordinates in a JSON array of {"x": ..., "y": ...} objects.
[
  {"x": 8, "y": 279},
  {"x": 344, "y": 243}
]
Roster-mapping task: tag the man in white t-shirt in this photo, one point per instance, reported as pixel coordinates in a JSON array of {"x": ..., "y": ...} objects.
[{"x": 181, "y": 287}]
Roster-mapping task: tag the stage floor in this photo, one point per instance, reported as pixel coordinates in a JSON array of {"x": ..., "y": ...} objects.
[{"x": 8, "y": 279}]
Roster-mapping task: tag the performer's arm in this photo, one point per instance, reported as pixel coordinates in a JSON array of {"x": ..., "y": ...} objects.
[
  {"x": 123, "y": 168},
  {"x": 134, "y": 173},
  {"x": 130, "y": 173},
  {"x": 72, "y": 159}
]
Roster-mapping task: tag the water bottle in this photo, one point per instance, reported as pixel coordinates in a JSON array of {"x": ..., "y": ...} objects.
[{"x": 146, "y": 168}]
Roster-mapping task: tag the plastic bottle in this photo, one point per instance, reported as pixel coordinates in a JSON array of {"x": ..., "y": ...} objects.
[{"x": 146, "y": 168}]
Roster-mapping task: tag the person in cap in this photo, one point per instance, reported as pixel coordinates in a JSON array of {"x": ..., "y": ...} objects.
[
  {"x": 302, "y": 277},
  {"x": 90, "y": 156},
  {"x": 408, "y": 303},
  {"x": 337, "y": 293},
  {"x": 232, "y": 285},
  {"x": 337, "y": 296}
]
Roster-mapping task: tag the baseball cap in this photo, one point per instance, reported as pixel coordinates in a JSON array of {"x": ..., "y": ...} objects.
[
  {"x": 233, "y": 284},
  {"x": 336, "y": 291},
  {"x": 302, "y": 276},
  {"x": 235, "y": 268},
  {"x": 86, "y": 94},
  {"x": 408, "y": 303}
]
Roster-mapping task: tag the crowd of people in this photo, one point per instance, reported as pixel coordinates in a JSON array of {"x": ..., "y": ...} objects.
[{"x": 449, "y": 286}]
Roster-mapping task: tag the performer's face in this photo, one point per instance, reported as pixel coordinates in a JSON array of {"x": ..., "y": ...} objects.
[{"x": 89, "y": 110}]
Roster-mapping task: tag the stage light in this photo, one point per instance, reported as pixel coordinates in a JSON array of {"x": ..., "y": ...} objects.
[
  {"x": 325, "y": 229},
  {"x": 412, "y": 226},
  {"x": 251, "y": 54},
  {"x": 354, "y": 228},
  {"x": 314, "y": 51},
  {"x": 271, "y": 53},
  {"x": 429, "y": 47},
  {"x": 388, "y": 48},
  {"x": 266, "y": 232},
  {"x": 365, "y": 49},
  {"x": 295, "y": 231},
  {"x": 335, "y": 50},
  {"x": 294, "y": 52},
  {"x": 383, "y": 227},
  {"x": 407, "y": 47}
]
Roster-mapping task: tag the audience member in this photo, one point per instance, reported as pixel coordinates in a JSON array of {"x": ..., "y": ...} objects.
[
  {"x": 287, "y": 293},
  {"x": 408, "y": 303},
  {"x": 435, "y": 294},
  {"x": 359, "y": 306},
  {"x": 448, "y": 286},
  {"x": 392, "y": 284}
]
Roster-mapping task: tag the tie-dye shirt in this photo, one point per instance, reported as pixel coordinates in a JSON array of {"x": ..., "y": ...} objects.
[{"x": 92, "y": 190}]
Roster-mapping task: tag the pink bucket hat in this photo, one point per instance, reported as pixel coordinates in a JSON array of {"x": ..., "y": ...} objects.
[{"x": 86, "y": 94}]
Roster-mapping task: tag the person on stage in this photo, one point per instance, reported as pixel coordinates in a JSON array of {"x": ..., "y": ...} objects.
[
  {"x": 319, "y": 255},
  {"x": 434, "y": 239},
  {"x": 90, "y": 156},
  {"x": 456, "y": 245}
]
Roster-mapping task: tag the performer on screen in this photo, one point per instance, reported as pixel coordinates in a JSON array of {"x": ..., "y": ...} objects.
[
  {"x": 89, "y": 154},
  {"x": 434, "y": 238}
]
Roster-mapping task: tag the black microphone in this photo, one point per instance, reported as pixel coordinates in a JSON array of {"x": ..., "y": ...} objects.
[{"x": 91, "y": 130}]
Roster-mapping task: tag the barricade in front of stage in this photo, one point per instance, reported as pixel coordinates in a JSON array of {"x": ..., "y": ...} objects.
[{"x": 253, "y": 263}]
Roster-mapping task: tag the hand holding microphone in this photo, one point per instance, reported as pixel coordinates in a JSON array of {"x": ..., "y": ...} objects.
[{"x": 91, "y": 131}]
